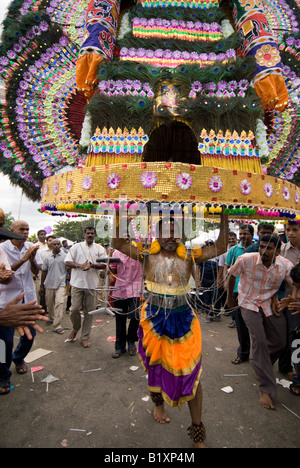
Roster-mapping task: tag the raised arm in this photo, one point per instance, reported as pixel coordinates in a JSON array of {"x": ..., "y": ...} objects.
[
  {"x": 221, "y": 243},
  {"x": 123, "y": 244}
]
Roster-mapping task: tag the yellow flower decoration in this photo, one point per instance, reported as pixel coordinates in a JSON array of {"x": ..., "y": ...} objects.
[{"x": 267, "y": 56}]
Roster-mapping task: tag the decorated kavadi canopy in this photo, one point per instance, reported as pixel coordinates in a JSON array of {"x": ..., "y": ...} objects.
[{"x": 190, "y": 101}]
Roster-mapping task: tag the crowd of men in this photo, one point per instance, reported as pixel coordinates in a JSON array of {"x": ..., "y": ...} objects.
[{"x": 257, "y": 283}]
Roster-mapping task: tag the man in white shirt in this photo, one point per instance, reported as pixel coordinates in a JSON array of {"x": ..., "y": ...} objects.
[
  {"x": 53, "y": 284},
  {"x": 82, "y": 259},
  {"x": 25, "y": 262}
]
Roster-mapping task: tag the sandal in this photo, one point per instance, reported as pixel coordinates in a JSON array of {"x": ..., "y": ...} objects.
[
  {"x": 295, "y": 389},
  {"x": 237, "y": 360},
  {"x": 4, "y": 388},
  {"x": 132, "y": 351},
  {"x": 118, "y": 354},
  {"x": 21, "y": 368}
]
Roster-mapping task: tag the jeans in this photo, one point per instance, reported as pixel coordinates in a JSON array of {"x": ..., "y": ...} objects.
[{"x": 19, "y": 354}]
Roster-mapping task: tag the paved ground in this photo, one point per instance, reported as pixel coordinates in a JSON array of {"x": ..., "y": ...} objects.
[{"x": 107, "y": 405}]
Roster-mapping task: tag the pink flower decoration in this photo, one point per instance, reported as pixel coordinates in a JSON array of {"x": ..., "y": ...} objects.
[
  {"x": 268, "y": 189},
  {"x": 87, "y": 183},
  {"x": 69, "y": 186},
  {"x": 113, "y": 181},
  {"x": 184, "y": 181},
  {"x": 55, "y": 188},
  {"x": 245, "y": 186},
  {"x": 46, "y": 189},
  {"x": 215, "y": 184},
  {"x": 297, "y": 199},
  {"x": 149, "y": 179},
  {"x": 286, "y": 193}
]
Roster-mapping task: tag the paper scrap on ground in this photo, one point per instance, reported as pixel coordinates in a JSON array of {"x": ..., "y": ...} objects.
[
  {"x": 35, "y": 369},
  {"x": 111, "y": 338},
  {"x": 49, "y": 379},
  {"x": 146, "y": 398},
  {"x": 219, "y": 349},
  {"x": 284, "y": 383},
  {"x": 227, "y": 390},
  {"x": 37, "y": 354},
  {"x": 133, "y": 368},
  {"x": 92, "y": 370}
]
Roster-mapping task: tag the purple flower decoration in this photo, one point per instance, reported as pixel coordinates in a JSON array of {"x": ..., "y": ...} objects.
[
  {"x": 215, "y": 184},
  {"x": 268, "y": 189},
  {"x": 149, "y": 179},
  {"x": 286, "y": 193},
  {"x": 184, "y": 181},
  {"x": 245, "y": 186},
  {"x": 113, "y": 181},
  {"x": 55, "y": 188}
]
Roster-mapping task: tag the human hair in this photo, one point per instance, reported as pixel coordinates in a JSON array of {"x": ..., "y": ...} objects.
[
  {"x": 261, "y": 226},
  {"x": 247, "y": 226},
  {"x": 164, "y": 221},
  {"x": 89, "y": 228},
  {"x": 40, "y": 231},
  {"x": 50, "y": 237},
  {"x": 295, "y": 273},
  {"x": 272, "y": 239},
  {"x": 232, "y": 233}
]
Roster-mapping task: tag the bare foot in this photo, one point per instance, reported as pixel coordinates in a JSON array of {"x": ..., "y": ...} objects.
[
  {"x": 85, "y": 343},
  {"x": 266, "y": 401},
  {"x": 72, "y": 337},
  {"x": 160, "y": 414},
  {"x": 199, "y": 445}
]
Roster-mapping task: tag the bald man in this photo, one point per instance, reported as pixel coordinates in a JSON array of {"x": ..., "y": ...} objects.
[{"x": 24, "y": 259}]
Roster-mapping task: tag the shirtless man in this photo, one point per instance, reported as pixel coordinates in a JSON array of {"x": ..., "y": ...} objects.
[{"x": 171, "y": 358}]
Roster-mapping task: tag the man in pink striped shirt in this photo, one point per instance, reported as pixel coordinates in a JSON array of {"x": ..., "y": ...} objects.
[{"x": 261, "y": 275}]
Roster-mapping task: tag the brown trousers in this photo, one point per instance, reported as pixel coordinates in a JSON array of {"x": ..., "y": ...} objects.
[{"x": 268, "y": 337}]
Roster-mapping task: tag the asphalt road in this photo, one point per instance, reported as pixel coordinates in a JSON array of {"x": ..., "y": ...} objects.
[{"x": 100, "y": 402}]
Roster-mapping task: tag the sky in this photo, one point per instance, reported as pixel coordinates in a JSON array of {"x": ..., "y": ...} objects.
[{"x": 11, "y": 198}]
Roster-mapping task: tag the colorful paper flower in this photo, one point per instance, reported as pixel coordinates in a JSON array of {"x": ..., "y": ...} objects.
[
  {"x": 268, "y": 189},
  {"x": 55, "y": 188},
  {"x": 87, "y": 183},
  {"x": 149, "y": 179},
  {"x": 113, "y": 181},
  {"x": 46, "y": 189},
  {"x": 245, "y": 186},
  {"x": 267, "y": 56},
  {"x": 286, "y": 193},
  {"x": 184, "y": 181},
  {"x": 215, "y": 184},
  {"x": 69, "y": 186}
]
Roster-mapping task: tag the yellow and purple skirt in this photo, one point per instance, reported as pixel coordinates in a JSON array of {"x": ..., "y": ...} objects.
[{"x": 170, "y": 351}]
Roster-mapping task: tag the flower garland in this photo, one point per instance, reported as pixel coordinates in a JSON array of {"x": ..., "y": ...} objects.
[
  {"x": 221, "y": 90},
  {"x": 125, "y": 88},
  {"x": 172, "y": 59},
  {"x": 175, "y": 29}
]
